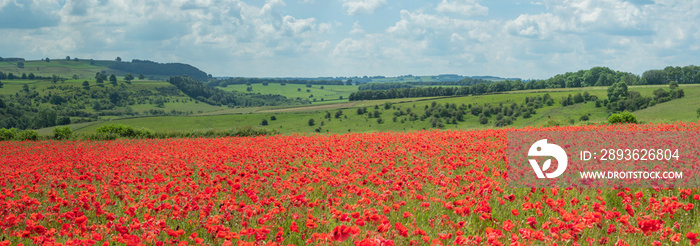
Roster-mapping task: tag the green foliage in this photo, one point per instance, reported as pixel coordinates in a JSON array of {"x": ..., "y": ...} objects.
[
  {"x": 113, "y": 79},
  {"x": 125, "y": 131},
  {"x": 672, "y": 85},
  {"x": 384, "y": 86},
  {"x": 61, "y": 133},
  {"x": 160, "y": 69},
  {"x": 215, "y": 96},
  {"x": 8, "y": 134},
  {"x": 624, "y": 117},
  {"x": 250, "y": 81},
  {"x": 312, "y": 122},
  {"x": 264, "y": 122},
  {"x": 27, "y": 135},
  {"x": 584, "y": 118},
  {"x": 617, "y": 91},
  {"x": 128, "y": 78},
  {"x": 241, "y": 132}
]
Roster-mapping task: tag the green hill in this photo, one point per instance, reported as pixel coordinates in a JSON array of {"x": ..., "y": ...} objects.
[{"x": 86, "y": 69}]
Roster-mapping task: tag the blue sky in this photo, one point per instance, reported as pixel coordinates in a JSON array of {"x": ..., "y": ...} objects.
[{"x": 280, "y": 38}]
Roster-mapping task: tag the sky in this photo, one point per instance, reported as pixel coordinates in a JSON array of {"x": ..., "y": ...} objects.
[{"x": 530, "y": 39}]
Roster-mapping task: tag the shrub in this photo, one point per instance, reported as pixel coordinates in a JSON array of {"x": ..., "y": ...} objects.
[
  {"x": 27, "y": 135},
  {"x": 483, "y": 120},
  {"x": 624, "y": 117},
  {"x": 126, "y": 131},
  {"x": 8, "y": 134},
  {"x": 551, "y": 123},
  {"x": 63, "y": 132},
  {"x": 584, "y": 118},
  {"x": 100, "y": 136}
]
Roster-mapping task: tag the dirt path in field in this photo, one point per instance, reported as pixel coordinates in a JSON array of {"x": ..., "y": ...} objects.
[{"x": 310, "y": 108}]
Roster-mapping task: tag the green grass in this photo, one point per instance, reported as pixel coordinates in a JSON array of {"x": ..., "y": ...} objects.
[
  {"x": 329, "y": 93},
  {"x": 61, "y": 68},
  {"x": 297, "y": 122}
]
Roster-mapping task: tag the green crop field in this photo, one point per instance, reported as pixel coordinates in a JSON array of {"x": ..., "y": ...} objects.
[{"x": 329, "y": 93}]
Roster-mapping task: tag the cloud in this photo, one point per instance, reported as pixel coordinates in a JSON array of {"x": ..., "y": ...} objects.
[
  {"x": 285, "y": 38},
  {"x": 356, "y": 7},
  {"x": 28, "y": 14},
  {"x": 357, "y": 28},
  {"x": 462, "y": 7}
]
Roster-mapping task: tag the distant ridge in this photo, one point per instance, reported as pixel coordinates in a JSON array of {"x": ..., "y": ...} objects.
[{"x": 161, "y": 69}]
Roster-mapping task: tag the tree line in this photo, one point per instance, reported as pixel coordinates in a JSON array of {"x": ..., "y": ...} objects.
[
  {"x": 31, "y": 76},
  {"x": 265, "y": 81},
  {"x": 162, "y": 69},
  {"x": 214, "y": 96},
  {"x": 597, "y": 76}
]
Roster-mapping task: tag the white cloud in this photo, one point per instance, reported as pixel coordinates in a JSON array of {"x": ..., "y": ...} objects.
[
  {"x": 355, "y": 7},
  {"x": 280, "y": 38},
  {"x": 357, "y": 28},
  {"x": 462, "y": 7}
]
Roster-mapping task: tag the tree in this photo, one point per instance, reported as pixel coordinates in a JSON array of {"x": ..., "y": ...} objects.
[
  {"x": 617, "y": 91},
  {"x": 1, "y": 84},
  {"x": 76, "y": 59},
  {"x": 264, "y": 122},
  {"x": 86, "y": 85},
  {"x": 24, "y": 76},
  {"x": 92, "y": 62},
  {"x": 312, "y": 122},
  {"x": 654, "y": 77},
  {"x": 47, "y": 59},
  {"x": 129, "y": 78},
  {"x": 160, "y": 102},
  {"x": 273, "y": 118},
  {"x": 113, "y": 79},
  {"x": 31, "y": 76},
  {"x": 20, "y": 64},
  {"x": 141, "y": 76},
  {"x": 75, "y": 76},
  {"x": 624, "y": 117},
  {"x": 118, "y": 59},
  {"x": 672, "y": 85},
  {"x": 60, "y": 133},
  {"x": 67, "y": 58},
  {"x": 57, "y": 100}
]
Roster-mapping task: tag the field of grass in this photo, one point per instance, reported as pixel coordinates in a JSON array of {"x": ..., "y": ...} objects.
[
  {"x": 61, "y": 68},
  {"x": 295, "y": 120},
  {"x": 329, "y": 93}
]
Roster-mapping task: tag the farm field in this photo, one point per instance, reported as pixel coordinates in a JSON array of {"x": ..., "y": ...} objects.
[
  {"x": 391, "y": 188},
  {"x": 329, "y": 93}
]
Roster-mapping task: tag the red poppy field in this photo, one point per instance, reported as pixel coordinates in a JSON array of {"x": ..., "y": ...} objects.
[{"x": 417, "y": 188}]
